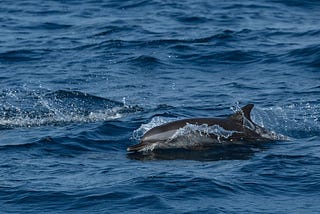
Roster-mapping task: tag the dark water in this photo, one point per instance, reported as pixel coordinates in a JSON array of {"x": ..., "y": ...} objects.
[{"x": 79, "y": 79}]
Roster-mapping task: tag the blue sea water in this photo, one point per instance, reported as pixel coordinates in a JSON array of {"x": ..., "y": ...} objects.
[{"x": 79, "y": 79}]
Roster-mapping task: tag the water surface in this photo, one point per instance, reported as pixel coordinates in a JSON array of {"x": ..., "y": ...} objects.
[{"x": 78, "y": 79}]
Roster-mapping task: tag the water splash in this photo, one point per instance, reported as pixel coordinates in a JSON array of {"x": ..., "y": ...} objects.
[
  {"x": 27, "y": 108},
  {"x": 156, "y": 121},
  {"x": 191, "y": 131},
  {"x": 189, "y": 136},
  {"x": 294, "y": 120},
  {"x": 197, "y": 137},
  {"x": 297, "y": 120}
]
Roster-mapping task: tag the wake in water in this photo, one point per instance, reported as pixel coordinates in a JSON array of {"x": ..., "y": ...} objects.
[
  {"x": 297, "y": 120},
  {"x": 23, "y": 108}
]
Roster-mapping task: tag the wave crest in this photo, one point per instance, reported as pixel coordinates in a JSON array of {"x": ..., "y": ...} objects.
[{"x": 21, "y": 108}]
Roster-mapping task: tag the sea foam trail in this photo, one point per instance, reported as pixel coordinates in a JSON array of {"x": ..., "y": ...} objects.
[{"x": 20, "y": 108}]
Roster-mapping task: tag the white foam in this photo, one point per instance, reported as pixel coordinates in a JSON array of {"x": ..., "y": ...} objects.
[
  {"x": 156, "y": 121},
  {"x": 301, "y": 118},
  {"x": 28, "y": 108},
  {"x": 202, "y": 130},
  {"x": 189, "y": 136},
  {"x": 24, "y": 120}
]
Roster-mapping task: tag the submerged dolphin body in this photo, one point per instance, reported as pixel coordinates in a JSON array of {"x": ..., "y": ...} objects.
[{"x": 205, "y": 132}]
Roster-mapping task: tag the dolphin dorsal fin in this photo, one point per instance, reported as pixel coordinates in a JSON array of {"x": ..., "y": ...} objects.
[{"x": 244, "y": 112}]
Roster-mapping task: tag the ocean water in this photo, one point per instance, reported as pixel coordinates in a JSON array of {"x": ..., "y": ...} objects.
[{"x": 79, "y": 80}]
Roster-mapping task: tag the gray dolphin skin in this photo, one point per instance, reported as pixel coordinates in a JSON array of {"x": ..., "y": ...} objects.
[{"x": 239, "y": 126}]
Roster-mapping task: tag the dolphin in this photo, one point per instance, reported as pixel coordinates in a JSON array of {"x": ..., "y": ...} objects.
[{"x": 236, "y": 128}]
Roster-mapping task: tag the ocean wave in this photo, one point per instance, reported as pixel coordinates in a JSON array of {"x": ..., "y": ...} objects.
[
  {"x": 64, "y": 151},
  {"x": 21, "y": 55},
  {"x": 145, "y": 61},
  {"x": 20, "y": 108},
  {"x": 309, "y": 55}
]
